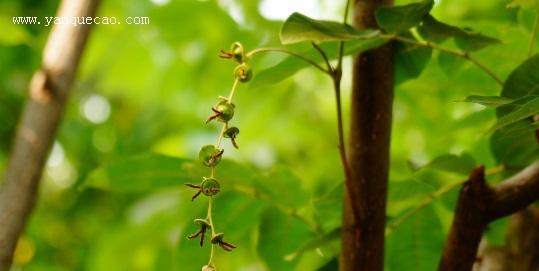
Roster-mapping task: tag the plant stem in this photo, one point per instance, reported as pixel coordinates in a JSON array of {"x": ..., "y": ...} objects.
[
  {"x": 324, "y": 56},
  {"x": 281, "y": 50},
  {"x": 459, "y": 53},
  {"x": 534, "y": 34},
  {"x": 233, "y": 90},
  {"x": 210, "y": 220},
  {"x": 340, "y": 129},
  {"x": 219, "y": 140}
]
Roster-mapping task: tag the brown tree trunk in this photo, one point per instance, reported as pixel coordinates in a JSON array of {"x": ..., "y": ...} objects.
[
  {"x": 370, "y": 132},
  {"x": 38, "y": 125},
  {"x": 479, "y": 204}
]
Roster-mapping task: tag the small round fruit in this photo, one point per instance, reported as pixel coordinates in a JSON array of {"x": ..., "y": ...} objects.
[
  {"x": 232, "y": 132},
  {"x": 209, "y": 155},
  {"x": 210, "y": 186},
  {"x": 226, "y": 111},
  {"x": 243, "y": 72},
  {"x": 238, "y": 52}
]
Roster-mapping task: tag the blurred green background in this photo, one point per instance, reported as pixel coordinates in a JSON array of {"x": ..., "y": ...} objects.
[{"x": 148, "y": 89}]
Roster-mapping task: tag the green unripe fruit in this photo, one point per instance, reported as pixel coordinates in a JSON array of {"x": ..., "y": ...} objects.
[
  {"x": 243, "y": 73},
  {"x": 210, "y": 187},
  {"x": 232, "y": 132},
  {"x": 238, "y": 52},
  {"x": 217, "y": 238},
  {"x": 226, "y": 111},
  {"x": 209, "y": 155}
]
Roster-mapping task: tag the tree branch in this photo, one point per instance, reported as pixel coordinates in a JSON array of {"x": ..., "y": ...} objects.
[
  {"x": 478, "y": 205},
  {"x": 39, "y": 122}
]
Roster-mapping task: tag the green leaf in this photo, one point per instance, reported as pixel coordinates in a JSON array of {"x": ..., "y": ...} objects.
[
  {"x": 450, "y": 64},
  {"x": 417, "y": 243},
  {"x": 410, "y": 60},
  {"x": 526, "y": 110},
  {"x": 291, "y": 65},
  {"x": 434, "y": 30},
  {"x": 524, "y": 80},
  {"x": 514, "y": 149},
  {"x": 529, "y": 4},
  {"x": 300, "y": 28},
  {"x": 395, "y": 19},
  {"x": 315, "y": 243},
  {"x": 406, "y": 190},
  {"x": 147, "y": 171},
  {"x": 153, "y": 171},
  {"x": 279, "y": 235},
  {"x": 488, "y": 100},
  {"x": 461, "y": 164},
  {"x": 517, "y": 149},
  {"x": 13, "y": 34}
]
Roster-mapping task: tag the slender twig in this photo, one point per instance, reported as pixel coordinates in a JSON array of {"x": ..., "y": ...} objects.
[
  {"x": 210, "y": 220},
  {"x": 459, "y": 53},
  {"x": 281, "y": 50},
  {"x": 341, "y": 44},
  {"x": 534, "y": 34},
  {"x": 324, "y": 56}
]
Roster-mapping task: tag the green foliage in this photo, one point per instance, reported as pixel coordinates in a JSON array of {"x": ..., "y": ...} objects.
[
  {"x": 282, "y": 193},
  {"x": 417, "y": 243},
  {"x": 401, "y": 18},
  {"x": 462, "y": 164},
  {"x": 300, "y": 28},
  {"x": 515, "y": 144},
  {"x": 494, "y": 101},
  {"x": 143, "y": 172},
  {"x": 291, "y": 65},
  {"x": 279, "y": 236},
  {"x": 410, "y": 60},
  {"x": 465, "y": 39},
  {"x": 526, "y": 110}
]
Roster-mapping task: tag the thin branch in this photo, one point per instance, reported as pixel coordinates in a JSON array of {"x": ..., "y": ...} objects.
[
  {"x": 516, "y": 192},
  {"x": 324, "y": 56},
  {"x": 535, "y": 29},
  {"x": 341, "y": 44},
  {"x": 40, "y": 119},
  {"x": 285, "y": 51}
]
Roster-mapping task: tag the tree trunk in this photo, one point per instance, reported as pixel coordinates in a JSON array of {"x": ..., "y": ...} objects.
[
  {"x": 480, "y": 204},
  {"x": 38, "y": 125},
  {"x": 370, "y": 133}
]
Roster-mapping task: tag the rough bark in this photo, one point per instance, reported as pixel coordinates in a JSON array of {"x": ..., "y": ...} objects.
[
  {"x": 370, "y": 132},
  {"x": 478, "y": 205},
  {"x": 38, "y": 124}
]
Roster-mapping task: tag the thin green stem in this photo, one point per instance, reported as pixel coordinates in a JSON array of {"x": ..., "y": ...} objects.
[
  {"x": 233, "y": 90},
  {"x": 345, "y": 16},
  {"x": 324, "y": 56},
  {"x": 341, "y": 44},
  {"x": 221, "y": 135},
  {"x": 210, "y": 220},
  {"x": 455, "y": 52},
  {"x": 535, "y": 29},
  {"x": 285, "y": 51}
]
